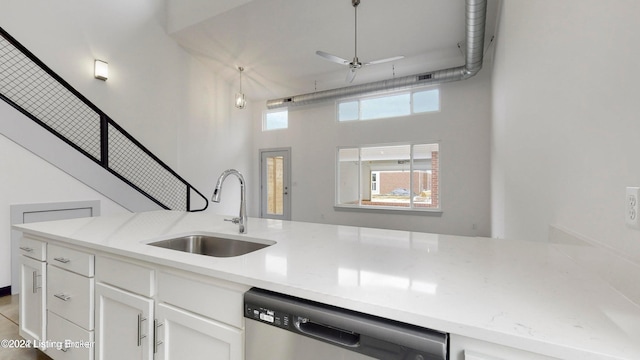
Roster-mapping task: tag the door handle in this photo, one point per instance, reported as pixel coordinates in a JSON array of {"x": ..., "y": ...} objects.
[{"x": 327, "y": 333}]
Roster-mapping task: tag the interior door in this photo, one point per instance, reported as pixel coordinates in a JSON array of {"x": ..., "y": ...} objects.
[{"x": 275, "y": 189}]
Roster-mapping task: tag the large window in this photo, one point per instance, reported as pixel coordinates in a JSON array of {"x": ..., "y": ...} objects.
[
  {"x": 391, "y": 176},
  {"x": 387, "y": 106}
]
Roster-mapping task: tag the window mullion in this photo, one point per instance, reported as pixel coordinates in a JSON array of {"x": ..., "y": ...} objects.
[
  {"x": 411, "y": 177},
  {"x": 359, "y": 177}
]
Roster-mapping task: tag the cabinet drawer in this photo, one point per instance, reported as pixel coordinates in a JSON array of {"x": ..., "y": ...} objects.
[
  {"x": 68, "y": 341},
  {"x": 71, "y": 296},
  {"x": 33, "y": 248},
  {"x": 221, "y": 303},
  {"x": 70, "y": 259},
  {"x": 125, "y": 275}
]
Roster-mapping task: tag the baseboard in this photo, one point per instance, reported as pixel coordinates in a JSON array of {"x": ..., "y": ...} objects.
[{"x": 5, "y": 291}]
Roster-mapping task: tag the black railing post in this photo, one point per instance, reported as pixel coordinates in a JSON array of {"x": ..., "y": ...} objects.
[
  {"x": 188, "y": 198},
  {"x": 104, "y": 141}
]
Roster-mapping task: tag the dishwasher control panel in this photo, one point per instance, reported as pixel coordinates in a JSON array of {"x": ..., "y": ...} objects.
[{"x": 268, "y": 316}]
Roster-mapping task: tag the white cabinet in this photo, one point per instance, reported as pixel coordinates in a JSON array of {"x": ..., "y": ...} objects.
[
  {"x": 188, "y": 317},
  {"x": 124, "y": 310},
  {"x": 124, "y": 324},
  {"x": 70, "y": 312},
  {"x": 32, "y": 309},
  {"x": 56, "y": 301},
  {"x": 184, "y": 335},
  {"x": 200, "y": 316}
]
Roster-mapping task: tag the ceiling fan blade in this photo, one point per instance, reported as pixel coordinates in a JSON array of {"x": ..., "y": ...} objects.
[
  {"x": 332, "y": 58},
  {"x": 384, "y": 60},
  {"x": 351, "y": 74}
]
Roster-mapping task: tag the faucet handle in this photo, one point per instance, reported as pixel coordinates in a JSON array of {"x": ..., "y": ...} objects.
[{"x": 235, "y": 220}]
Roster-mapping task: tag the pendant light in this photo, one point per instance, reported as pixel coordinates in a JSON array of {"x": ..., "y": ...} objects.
[{"x": 240, "y": 101}]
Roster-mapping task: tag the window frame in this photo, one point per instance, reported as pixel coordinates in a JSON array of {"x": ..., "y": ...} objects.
[
  {"x": 388, "y": 209},
  {"x": 410, "y": 92}
]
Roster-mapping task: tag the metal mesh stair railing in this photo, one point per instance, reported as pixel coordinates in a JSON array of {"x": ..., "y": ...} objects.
[{"x": 32, "y": 88}]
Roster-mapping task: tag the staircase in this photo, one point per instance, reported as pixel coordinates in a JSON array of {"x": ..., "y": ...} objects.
[{"x": 30, "y": 87}]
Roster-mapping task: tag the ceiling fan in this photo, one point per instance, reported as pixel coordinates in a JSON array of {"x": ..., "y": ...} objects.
[{"x": 354, "y": 64}]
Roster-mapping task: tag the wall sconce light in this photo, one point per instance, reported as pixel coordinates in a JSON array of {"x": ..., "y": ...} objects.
[
  {"x": 240, "y": 100},
  {"x": 101, "y": 70}
]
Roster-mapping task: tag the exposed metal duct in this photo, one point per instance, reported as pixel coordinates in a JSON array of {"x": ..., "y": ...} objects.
[{"x": 476, "y": 16}]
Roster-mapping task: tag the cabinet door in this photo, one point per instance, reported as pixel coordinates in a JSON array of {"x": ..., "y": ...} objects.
[
  {"x": 32, "y": 310},
  {"x": 184, "y": 335},
  {"x": 124, "y": 325}
]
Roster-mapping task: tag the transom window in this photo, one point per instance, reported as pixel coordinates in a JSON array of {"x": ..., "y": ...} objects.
[
  {"x": 391, "y": 176},
  {"x": 387, "y": 106},
  {"x": 275, "y": 119}
]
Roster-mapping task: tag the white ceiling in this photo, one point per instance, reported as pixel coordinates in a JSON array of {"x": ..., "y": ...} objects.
[{"x": 276, "y": 40}]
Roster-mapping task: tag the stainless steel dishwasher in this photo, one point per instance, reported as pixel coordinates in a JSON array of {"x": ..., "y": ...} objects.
[{"x": 280, "y": 327}]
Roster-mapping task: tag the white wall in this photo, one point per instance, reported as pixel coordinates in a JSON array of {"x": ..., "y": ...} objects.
[
  {"x": 565, "y": 120},
  {"x": 145, "y": 65},
  {"x": 158, "y": 92},
  {"x": 27, "y": 179},
  {"x": 462, "y": 127},
  {"x": 217, "y": 137}
]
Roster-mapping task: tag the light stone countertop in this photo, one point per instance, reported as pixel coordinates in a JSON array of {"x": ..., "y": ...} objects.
[{"x": 519, "y": 294}]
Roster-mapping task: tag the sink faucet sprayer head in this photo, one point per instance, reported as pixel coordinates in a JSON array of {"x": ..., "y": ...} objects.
[{"x": 216, "y": 195}]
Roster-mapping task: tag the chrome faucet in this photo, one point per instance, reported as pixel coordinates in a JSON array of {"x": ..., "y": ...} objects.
[{"x": 241, "y": 220}]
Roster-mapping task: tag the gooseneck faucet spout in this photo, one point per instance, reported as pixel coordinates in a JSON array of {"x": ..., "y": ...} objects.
[{"x": 241, "y": 220}]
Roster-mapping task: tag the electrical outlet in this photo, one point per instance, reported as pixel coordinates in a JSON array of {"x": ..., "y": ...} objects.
[{"x": 632, "y": 209}]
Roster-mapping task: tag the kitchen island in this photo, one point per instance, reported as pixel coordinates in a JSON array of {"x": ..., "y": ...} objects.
[{"x": 521, "y": 295}]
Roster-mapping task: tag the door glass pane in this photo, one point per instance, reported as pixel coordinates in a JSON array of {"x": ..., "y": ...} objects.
[{"x": 275, "y": 185}]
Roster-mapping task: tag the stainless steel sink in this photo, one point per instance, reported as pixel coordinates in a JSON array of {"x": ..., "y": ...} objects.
[{"x": 211, "y": 245}]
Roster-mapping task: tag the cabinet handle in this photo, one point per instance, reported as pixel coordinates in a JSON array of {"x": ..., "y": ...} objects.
[
  {"x": 156, "y": 342},
  {"x": 35, "y": 281},
  {"x": 62, "y": 260},
  {"x": 62, "y": 297},
  {"x": 27, "y": 249},
  {"x": 140, "y": 335}
]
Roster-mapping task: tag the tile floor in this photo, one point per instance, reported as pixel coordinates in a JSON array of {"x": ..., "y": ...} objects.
[{"x": 9, "y": 331}]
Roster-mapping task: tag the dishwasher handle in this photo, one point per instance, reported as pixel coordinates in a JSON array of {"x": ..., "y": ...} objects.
[{"x": 327, "y": 333}]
